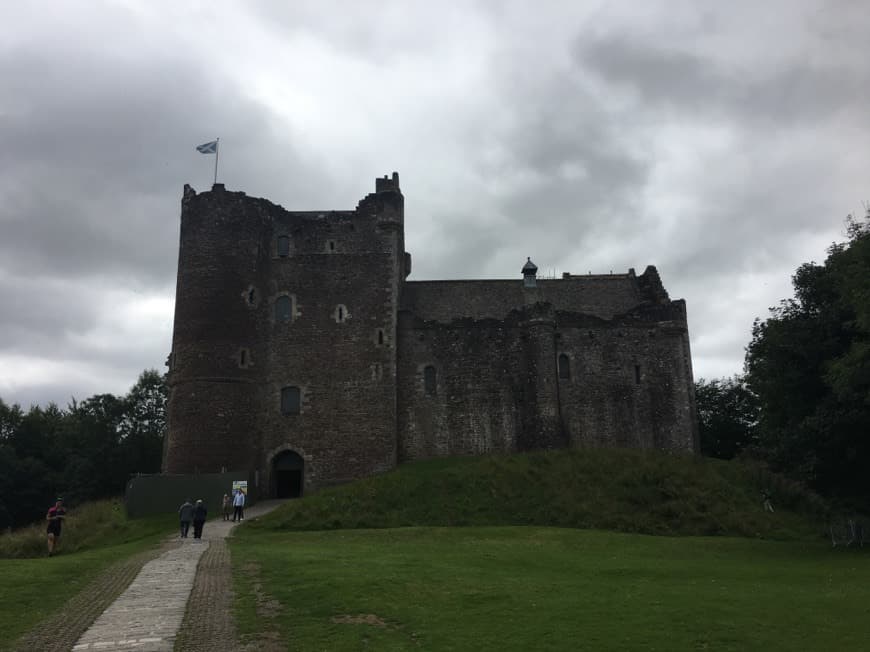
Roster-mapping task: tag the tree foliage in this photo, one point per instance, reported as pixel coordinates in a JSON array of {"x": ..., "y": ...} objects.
[
  {"x": 86, "y": 451},
  {"x": 727, "y": 415},
  {"x": 809, "y": 365}
]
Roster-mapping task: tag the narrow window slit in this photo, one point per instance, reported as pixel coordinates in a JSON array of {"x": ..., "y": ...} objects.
[
  {"x": 564, "y": 366},
  {"x": 430, "y": 380}
]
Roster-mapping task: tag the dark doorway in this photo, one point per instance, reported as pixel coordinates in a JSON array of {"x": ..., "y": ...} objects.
[{"x": 287, "y": 468}]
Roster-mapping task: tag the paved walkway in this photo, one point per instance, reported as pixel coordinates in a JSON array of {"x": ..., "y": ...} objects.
[{"x": 147, "y": 616}]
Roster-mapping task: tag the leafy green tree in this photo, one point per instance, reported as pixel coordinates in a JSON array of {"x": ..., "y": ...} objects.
[
  {"x": 10, "y": 419},
  {"x": 26, "y": 488},
  {"x": 809, "y": 366},
  {"x": 86, "y": 451},
  {"x": 728, "y": 416},
  {"x": 143, "y": 424}
]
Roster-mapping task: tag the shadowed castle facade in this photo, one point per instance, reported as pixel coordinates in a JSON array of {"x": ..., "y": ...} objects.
[{"x": 303, "y": 356}]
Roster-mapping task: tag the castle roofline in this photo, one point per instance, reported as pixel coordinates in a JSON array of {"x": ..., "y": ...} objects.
[{"x": 572, "y": 277}]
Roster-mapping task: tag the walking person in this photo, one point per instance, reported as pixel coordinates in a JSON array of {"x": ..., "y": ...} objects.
[
  {"x": 239, "y": 506},
  {"x": 185, "y": 516},
  {"x": 199, "y": 514},
  {"x": 225, "y": 507},
  {"x": 55, "y": 518}
]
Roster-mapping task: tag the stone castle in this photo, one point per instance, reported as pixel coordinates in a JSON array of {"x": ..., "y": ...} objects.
[{"x": 304, "y": 357}]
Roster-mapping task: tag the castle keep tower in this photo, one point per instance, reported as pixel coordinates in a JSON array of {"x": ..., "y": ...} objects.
[
  {"x": 303, "y": 357},
  {"x": 283, "y": 357}
]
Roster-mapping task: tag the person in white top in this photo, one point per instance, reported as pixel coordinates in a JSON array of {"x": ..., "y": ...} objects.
[{"x": 239, "y": 505}]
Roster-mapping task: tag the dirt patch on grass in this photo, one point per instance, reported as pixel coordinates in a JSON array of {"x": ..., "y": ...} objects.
[
  {"x": 60, "y": 631},
  {"x": 361, "y": 619},
  {"x": 268, "y": 639}
]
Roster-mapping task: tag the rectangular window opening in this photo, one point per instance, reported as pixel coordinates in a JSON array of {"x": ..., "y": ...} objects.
[
  {"x": 283, "y": 246},
  {"x": 290, "y": 400}
]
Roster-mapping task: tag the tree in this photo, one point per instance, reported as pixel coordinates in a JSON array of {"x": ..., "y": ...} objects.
[
  {"x": 809, "y": 366},
  {"x": 728, "y": 416},
  {"x": 143, "y": 424},
  {"x": 87, "y": 451}
]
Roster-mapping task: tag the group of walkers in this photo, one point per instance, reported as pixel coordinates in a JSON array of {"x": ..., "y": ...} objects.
[
  {"x": 197, "y": 513},
  {"x": 188, "y": 513}
]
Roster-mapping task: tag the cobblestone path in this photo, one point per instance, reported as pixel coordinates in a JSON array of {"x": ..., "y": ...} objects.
[
  {"x": 184, "y": 594},
  {"x": 208, "y": 622},
  {"x": 148, "y": 614}
]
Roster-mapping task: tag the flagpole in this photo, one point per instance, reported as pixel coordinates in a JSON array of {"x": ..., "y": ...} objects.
[{"x": 217, "y": 148}]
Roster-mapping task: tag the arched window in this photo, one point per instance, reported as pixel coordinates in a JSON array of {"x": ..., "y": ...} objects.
[
  {"x": 340, "y": 314},
  {"x": 430, "y": 380},
  {"x": 380, "y": 336},
  {"x": 283, "y": 308},
  {"x": 290, "y": 400},
  {"x": 637, "y": 374},
  {"x": 283, "y": 246},
  {"x": 564, "y": 366}
]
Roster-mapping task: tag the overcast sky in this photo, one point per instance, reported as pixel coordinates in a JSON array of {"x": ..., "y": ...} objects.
[{"x": 722, "y": 142}]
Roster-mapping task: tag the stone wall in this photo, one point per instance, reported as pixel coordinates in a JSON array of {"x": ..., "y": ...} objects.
[{"x": 499, "y": 384}]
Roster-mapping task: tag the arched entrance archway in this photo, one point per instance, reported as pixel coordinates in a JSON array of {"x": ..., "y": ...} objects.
[{"x": 287, "y": 475}]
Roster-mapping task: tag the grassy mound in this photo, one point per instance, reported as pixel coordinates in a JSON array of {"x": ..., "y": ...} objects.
[
  {"x": 98, "y": 524},
  {"x": 624, "y": 490}
]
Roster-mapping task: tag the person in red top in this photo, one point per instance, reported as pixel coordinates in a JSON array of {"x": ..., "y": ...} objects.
[{"x": 55, "y": 518}]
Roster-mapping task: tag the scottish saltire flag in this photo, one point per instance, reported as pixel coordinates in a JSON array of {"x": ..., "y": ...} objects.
[{"x": 207, "y": 148}]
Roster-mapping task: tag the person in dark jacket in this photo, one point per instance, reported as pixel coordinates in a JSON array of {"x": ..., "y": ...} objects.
[
  {"x": 55, "y": 518},
  {"x": 199, "y": 514},
  {"x": 185, "y": 516}
]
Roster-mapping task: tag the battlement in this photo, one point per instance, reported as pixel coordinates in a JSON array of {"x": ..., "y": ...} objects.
[{"x": 388, "y": 184}]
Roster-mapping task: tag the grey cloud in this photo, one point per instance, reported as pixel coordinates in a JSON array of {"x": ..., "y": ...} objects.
[
  {"x": 97, "y": 164},
  {"x": 588, "y": 177},
  {"x": 799, "y": 91}
]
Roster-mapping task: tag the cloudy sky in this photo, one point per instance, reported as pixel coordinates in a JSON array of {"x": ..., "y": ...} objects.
[{"x": 722, "y": 142}]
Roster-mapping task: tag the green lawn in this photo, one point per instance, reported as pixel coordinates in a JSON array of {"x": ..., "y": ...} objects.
[
  {"x": 539, "y": 588},
  {"x": 95, "y": 536}
]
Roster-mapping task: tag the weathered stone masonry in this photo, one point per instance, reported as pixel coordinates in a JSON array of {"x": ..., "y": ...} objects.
[{"x": 303, "y": 355}]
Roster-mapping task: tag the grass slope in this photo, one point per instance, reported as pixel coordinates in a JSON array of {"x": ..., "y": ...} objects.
[
  {"x": 93, "y": 525},
  {"x": 625, "y": 490},
  {"x": 534, "y": 588},
  {"x": 95, "y": 535}
]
